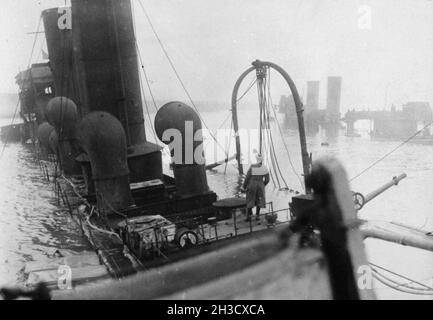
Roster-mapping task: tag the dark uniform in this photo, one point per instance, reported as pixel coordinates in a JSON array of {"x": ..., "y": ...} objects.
[{"x": 255, "y": 181}]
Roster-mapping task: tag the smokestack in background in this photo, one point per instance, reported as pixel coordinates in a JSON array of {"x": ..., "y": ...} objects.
[
  {"x": 312, "y": 101},
  {"x": 334, "y": 97}
]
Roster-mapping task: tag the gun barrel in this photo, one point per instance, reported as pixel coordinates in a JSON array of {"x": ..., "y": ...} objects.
[{"x": 386, "y": 186}]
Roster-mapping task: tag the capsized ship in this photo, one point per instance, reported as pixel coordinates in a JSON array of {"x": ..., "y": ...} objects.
[{"x": 170, "y": 236}]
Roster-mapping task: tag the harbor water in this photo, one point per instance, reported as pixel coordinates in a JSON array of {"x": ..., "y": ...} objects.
[{"x": 33, "y": 224}]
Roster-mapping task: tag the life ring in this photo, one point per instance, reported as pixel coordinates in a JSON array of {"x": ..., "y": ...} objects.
[
  {"x": 185, "y": 238},
  {"x": 358, "y": 200}
]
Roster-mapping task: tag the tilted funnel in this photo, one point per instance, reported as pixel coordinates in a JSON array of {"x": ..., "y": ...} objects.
[{"x": 103, "y": 139}]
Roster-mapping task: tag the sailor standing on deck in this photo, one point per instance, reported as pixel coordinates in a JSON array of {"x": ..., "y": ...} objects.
[{"x": 255, "y": 182}]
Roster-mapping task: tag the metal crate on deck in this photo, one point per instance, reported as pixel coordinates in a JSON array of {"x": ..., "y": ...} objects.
[{"x": 146, "y": 236}]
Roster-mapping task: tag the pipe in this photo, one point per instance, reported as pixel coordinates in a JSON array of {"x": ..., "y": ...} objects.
[
  {"x": 61, "y": 113},
  {"x": 396, "y": 233},
  {"x": 386, "y": 186},
  {"x": 235, "y": 117},
  {"x": 103, "y": 138},
  {"x": 299, "y": 111},
  {"x": 179, "y": 126}
]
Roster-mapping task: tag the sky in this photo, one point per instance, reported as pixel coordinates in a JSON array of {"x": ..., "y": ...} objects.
[{"x": 383, "y": 49}]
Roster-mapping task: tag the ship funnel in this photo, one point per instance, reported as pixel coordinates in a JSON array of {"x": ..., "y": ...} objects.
[
  {"x": 103, "y": 138},
  {"x": 106, "y": 49},
  {"x": 60, "y": 51},
  {"x": 107, "y": 73},
  {"x": 333, "y": 98},
  {"x": 312, "y": 102},
  {"x": 179, "y": 126}
]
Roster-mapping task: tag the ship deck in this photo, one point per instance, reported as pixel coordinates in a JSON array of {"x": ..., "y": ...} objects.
[{"x": 238, "y": 225}]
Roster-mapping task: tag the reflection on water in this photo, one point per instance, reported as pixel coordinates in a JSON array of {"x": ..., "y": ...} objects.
[{"x": 32, "y": 224}]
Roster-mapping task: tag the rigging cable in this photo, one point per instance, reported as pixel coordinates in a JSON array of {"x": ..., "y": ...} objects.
[
  {"x": 401, "y": 276},
  {"x": 399, "y": 286},
  {"x": 176, "y": 73},
  {"x": 247, "y": 90},
  {"x": 229, "y": 143},
  {"x": 225, "y": 120},
  {"x": 393, "y": 150},
  {"x": 145, "y": 77},
  {"x": 61, "y": 93},
  {"x": 285, "y": 146},
  {"x": 216, "y": 131},
  {"x": 403, "y": 287},
  {"x": 272, "y": 153},
  {"x": 265, "y": 100},
  {"x": 262, "y": 104},
  {"x": 146, "y": 104},
  {"x": 150, "y": 91},
  {"x": 267, "y": 113}
]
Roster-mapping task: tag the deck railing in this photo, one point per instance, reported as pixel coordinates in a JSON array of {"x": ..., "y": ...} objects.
[{"x": 209, "y": 229}]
